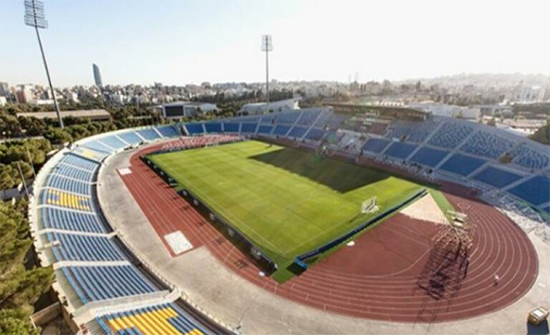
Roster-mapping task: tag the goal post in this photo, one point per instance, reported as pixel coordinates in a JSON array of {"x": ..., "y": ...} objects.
[{"x": 369, "y": 206}]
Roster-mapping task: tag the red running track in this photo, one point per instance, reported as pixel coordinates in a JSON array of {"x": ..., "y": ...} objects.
[{"x": 378, "y": 277}]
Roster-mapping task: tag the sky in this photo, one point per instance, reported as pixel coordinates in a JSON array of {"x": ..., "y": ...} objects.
[{"x": 178, "y": 42}]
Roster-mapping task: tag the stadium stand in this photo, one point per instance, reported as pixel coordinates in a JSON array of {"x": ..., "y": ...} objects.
[
  {"x": 529, "y": 158},
  {"x": 148, "y": 133},
  {"x": 97, "y": 156},
  {"x": 376, "y": 145},
  {"x": 429, "y": 156},
  {"x": 68, "y": 200},
  {"x": 248, "y": 128},
  {"x": 73, "y": 172},
  {"x": 58, "y": 218},
  {"x": 214, "y": 127},
  {"x": 68, "y": 184},
  {"x": 73, "y": 247},
  {"x": 231, "y": 127},
  {"x": 308, "y": 116},
  {"x": 462, "y": 165},
  {"x": 79, "y": 162},
  {"x": 265, "y": 130},
  {"x": 113, "y": 142},
  {"x": 268, "y": 118},
  {"x": 166, "y": 319},
  {"x": 535, "y": 190},
  {"x": 496, "y": 177},
  {"x": 450, "y": 135},
  {"x": 297, "y": 132},
  {"x": 487, "y": 145},
  {"x": 400, "y": 150},
  {"x": 413, "y": 131},
  {"x": 287, "y": 118},
  {"x": 107, "y": 282},
  {"x": 96, "y": 145},
  {"x": 281, "y": 130},
  {"x": 168, "y": 131},
  {"x": 130, "y": 137},
  {"x": 315, "y": 134},
  {"x": 194, "y": 128}
]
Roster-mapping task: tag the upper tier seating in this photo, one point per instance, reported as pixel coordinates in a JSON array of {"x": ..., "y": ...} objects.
[
  {"x": 169, "y": 131},
  {"x": 330, "y": 120},
  {"x": 450, "y": 135},
  {"x": 400, "y": 150},
  {"x": 315, "y": 134},
  {"x": 149, "y": 134},
  {"x": 68, "y": 184},
  {"x": 68, "y": 200},
  {"x": 414, "y": 131},
  {"x": 194, "y": 128},
  {"x": 281, "y": 130},
  {"x": 97, "y": 156},
  {"x": 535, "y": 190},
  {"x": 73, "y": 172},
  {"x": 529, "y": 158},
  {"x": 297, "y": 132},
  {"x": 308, "y": 117},
  {"x": 113, "y": 142},
  {"x": 131, "y": 137},
  {"x": 62, "y": 219},
  {"x": 497, "y": 177},
  {"x": 166, "y": 319},
  {"x": 376, "y": 145},
  {"x": 79, "y": 162},
  {"x": 231, "y": 127},
  {"x": 213, "y": 127},
  {"x": 429, "y": 156},
  {"x": 265, "y": 130},
  {"x": 96, "y": 145},
  {"x": 287, "y": 118},
  {"x": 74, "y": 247},
  {"x": 487, "y": 145},
  {"x": 268, "y": 118},
  {"x": 93, "y": 283},
  {"x": 462, "y": 165},
  {"x": 248, "y": 128}
]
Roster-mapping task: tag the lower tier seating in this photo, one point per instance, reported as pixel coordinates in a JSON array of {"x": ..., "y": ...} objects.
[
  {"x": 429, "y": 156},
  {"x": 462, "y": 165},
  {"x": 497, "y": 177},
  {"x": 535, "y": 190}
]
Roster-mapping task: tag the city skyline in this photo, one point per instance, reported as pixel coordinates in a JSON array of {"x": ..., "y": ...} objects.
[{"x": 193, "y": 42}]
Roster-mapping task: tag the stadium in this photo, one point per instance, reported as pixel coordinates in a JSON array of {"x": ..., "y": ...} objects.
[{"x": 342, "y": 219}]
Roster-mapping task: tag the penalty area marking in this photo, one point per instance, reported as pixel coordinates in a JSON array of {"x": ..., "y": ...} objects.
[
  {"x": 124, "y": 171},
  {"x": 178, "y": 242}
]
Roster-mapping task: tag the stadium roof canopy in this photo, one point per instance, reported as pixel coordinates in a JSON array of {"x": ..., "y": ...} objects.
[
  {"x": 94, "y": 114},
  {"x": 383, "y": 111}
]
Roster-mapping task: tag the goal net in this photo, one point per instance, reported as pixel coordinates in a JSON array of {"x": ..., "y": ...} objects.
[{"x": 369, "y": 206}]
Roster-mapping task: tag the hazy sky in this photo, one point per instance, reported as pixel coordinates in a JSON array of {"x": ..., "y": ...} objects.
[{"x": 190, "y": 41}]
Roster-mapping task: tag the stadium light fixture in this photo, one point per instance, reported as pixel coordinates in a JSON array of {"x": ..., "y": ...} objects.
[
  {"x": 35, "y": 17},
  {"x": 267, "y": 46}
]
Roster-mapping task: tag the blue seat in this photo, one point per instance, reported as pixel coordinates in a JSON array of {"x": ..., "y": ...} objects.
[
  {"x": 281, "y": 130},
  {"x": 248, "y": 128},
  {"x": 487, "y": 145},
  {"x": 429, "y": 156},
  {"x": 497, "y": 177},
  {"x": 376, "y": 145},
  {"x": 315, "y": 134},
  {"x": 450, "y": 135},
  {"x": 113, "y": 142},
  {"x": 231, "y": 127},
  {"x": 148, "y": 133},
  {"x": 213, "y": 127},
  {"x": 194, "y": 128},
  {"x": 168, "y": 131},
  {"x": 265, "y": 130},
  {"x": 462, "y": 165},
  {"x": 535, "y": 190},
  {"x": 297, "y": 132},
  {"x": 131, "y": 137},
  {"x": 400, "y": 150}
]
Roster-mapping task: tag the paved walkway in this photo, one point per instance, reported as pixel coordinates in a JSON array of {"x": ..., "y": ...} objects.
[{"x": 235, "y": 301}]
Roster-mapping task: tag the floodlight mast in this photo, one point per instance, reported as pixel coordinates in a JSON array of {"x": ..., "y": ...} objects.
[
  {"x": 267, "y": 46},
  {"x": 35, "y": 17}
]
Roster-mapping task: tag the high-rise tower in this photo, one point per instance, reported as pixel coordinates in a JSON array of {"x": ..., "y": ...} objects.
[{"x": 97, "y": 76}]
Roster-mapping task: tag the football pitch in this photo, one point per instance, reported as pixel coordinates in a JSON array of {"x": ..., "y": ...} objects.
[{"x": 286, "y": 201}]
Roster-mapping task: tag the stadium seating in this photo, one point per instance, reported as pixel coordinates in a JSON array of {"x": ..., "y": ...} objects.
[
  {"x": 378, "y": 128},
  {"x": 79, "y": 162},
  {"x": 429, "y": 156},
  {"x": 413, "y": 131},
  {"x": 248, "y": 128},
  {"x": 315, "y": 134},
  {"x": 57, "y": 218},
  {"x": 68, "y": 184},
  {"x": 487, "y": 145},
  {"x": 450, "y": 135},
  {"x": 268, "y": 118},
  {"x": 265, "y": 130},
  {"x": 94, "y": 283},
  {"x": 376, "y": 145},
  {"x": 287, "y": 118},
  {"x": 535, "y": 190},
  {"x": 214, "y": 127},
  {"x": 529, "y": 158},
  {"x": 194, "y": 128},
  {"x": 149, "y": 134},
  {"x": 169, "y": 131},
  {"x": 74, "y": 247},
  {"x": 297, "y": 132},
  {"x": 308, "y": 117},
  {"x": 166, "y": 319},
  {"x": 96, "y": 145},
  {"x": 281, "y": 130},
  {"x": 231, "y": 127},
  {"x": 329, "y": 120},
  {"x": 73, "y": 172},
  {"x": 497, "y": 177},
  {"x": 462, "y": 165},
  {"x": 68, "y": 200},
  {"x": 94, "y": 155},
  {"x": 130, "y": 137},
  {"x": 400, "y": 150},
  {"x": 113, "y": 142}
]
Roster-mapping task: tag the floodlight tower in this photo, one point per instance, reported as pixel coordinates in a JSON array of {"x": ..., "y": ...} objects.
[
  {"x": 267, "y": 46},
  {"x": 35, "y": 17}
]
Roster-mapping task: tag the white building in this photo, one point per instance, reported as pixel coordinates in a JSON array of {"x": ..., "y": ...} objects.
[
  {"x": 180, "y": 109},
  {"x": 275, "y": 106},
  {"x": 448, "y": 110},
  {"x": 3, "y": 101}
]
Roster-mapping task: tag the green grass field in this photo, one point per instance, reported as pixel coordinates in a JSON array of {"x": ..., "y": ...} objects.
[{"x": 285, "y": 200}]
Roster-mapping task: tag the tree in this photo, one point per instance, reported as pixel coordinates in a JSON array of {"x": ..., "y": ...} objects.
[
  {"x": 492, "y": 122},
  {"x": 542, "y": 135}
]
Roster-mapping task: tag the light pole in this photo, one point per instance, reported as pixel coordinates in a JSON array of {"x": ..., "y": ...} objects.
[
  {"x": 35, "y": 17},
  {"x": 267, "y": 46}
]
